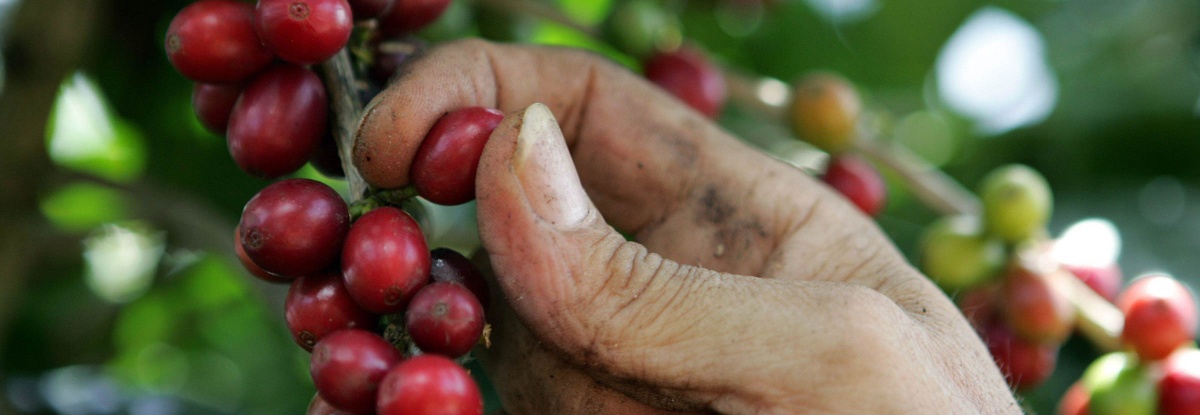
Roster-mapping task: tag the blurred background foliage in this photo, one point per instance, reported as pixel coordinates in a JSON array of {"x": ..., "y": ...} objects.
[{"x": 119, "y": 292}]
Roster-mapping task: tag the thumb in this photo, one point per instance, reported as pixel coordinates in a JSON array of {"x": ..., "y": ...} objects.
[{"x": 634, "y": 318}]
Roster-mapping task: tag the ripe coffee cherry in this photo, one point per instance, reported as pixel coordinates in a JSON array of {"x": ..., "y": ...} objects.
[
  {"x": 1104, "y": 280},
  {"x": 385, "y": 260},
  {"x": 1025, "y": 364},
  {"x": 304, "y": 32},
  {"x": 1179, "y": 389},
  {"x": 429, "y": 385},
  {"x": 825, "y": 111},
  {"x": 318, "y": 406},
  {"x": 294, "y": 227},
  {"x": 213, "y": 103},
  {"x": 1075, "y": 401},
  {"x": 1033, "y": 307},
  {"x": 688, "y": 75},
  {"x": 347, "y": 366},
  {"x": 319, "y": 304},
  {"x": 1016, "y": 202},
  {"x": 858, "y": 181},
  {"x": 278, "y": 122},
  {"x": 956, "y": 255},
  {"x": 443, "y": 169},
  {"x": 1160, "y": 316},
  {"x": 214, "y": 41},
  {"x": 979, "y": 304},
  {"x": 249, "y": 264},
  {"x": 369, "y": 9},
  {"x": 446, "y": 265},
  {"x": 408, "y": 16},
  {"x": 389, "y": 54},
  {"x": 326, "y": 160},
  {"x": 444, "y": 318},
  {"x": 1120, "y": 386}
]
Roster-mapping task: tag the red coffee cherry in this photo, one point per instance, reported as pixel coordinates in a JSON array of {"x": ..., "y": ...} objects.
[
  {"x": 369, "y": 9},
  {"x": 319, "y": 304},
  {"x": 446, "y": 265},
  {"x": 1104, "y": 280},
  {"x": 249, "y": 264},
  {"x": 688, "y": 75},
  {"x": 408, "y": 16},
  {"x": 979, "y": 304},
  {"x": 1160, "y": 316},
  {"x": 278, "y": 122},
  {"x": 213, "y": 103},
  {"x": 385, "y": 260},
  {"x": 214, "y": 41},
  {"x": 326, "y": 160},
  {"x": 1025, "y": 364},
  {"x": 444, "y": 167},
  {"x": 1179, "y": 389},
  {"x": 1033, "y": 308},
  {"x": 429, "y": 385},
  {"x": 347, "y": 366},
  {"x": 858, "y": 181},
  {"x": 304, "y": 32},
  {"x": 294, "y": 227},
  {"x": 444, "y": 318},
  {"x": 1075, "y": 401}
]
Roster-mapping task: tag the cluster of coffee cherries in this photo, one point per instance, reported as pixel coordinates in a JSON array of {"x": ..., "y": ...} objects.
[
  {"x": 383, "y": 316},
  {"x": 643, "y": 30},
  {"x": 1004, "y": 278},
  {"x": 250, "y": 64},
  {"x": 825, "y": 111},
  {"x": 1003, "y": 272},
  {"x": 1159, "y": 372}
]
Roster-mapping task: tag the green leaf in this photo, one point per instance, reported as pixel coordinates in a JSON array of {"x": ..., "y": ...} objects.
[
  {"x": 83, "y": 134},
  {"x": 586, "y": 12},
  {"x": 78, "y": 207},
  {"x": 555, "y": 34}
]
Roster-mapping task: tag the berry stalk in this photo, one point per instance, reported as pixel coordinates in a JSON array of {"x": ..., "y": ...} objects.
[{"x": 347, "y": 110}]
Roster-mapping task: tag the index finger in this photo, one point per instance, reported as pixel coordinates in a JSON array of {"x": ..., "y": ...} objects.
[
  {"x": 653, "y": 167},
  {"x": 637, "y": 149}
]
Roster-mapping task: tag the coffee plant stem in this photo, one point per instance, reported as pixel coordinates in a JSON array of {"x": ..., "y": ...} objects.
[
  {"x": 347, "y": 110},
  {"x": 1097, "y": 319},
  {"x": 929, "y": 184}
]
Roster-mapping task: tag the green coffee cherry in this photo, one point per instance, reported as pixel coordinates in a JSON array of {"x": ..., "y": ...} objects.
[
  {"x": 1120, "y": 386},
  {"x": 1016, "y": 202},
  {"x": 641, "y": 27},
  {"x": 957, "y": 255}
]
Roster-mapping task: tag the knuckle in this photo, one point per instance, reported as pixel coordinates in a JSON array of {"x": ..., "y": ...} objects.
[{"x": 871, "y": 326}]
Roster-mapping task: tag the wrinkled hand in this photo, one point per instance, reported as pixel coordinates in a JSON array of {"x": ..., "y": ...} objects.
[{"x": 750, "y": 288}]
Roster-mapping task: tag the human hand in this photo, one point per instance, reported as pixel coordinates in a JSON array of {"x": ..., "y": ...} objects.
[{"x": 750, "y": 288}]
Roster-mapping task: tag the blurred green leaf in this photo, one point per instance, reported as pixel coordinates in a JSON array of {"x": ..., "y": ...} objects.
[
  {"x": 85, "y": 136},
  {"x": 555, "y": 34},
  {"x": 78, "y": 207},
  {"x": 211, "y": 284},
  {"x": 590, "y": 12}
]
